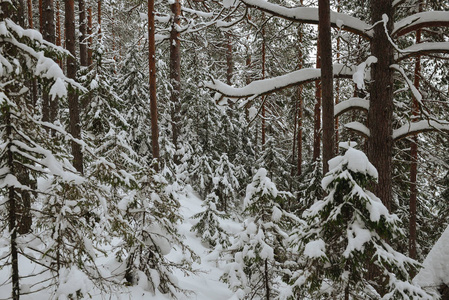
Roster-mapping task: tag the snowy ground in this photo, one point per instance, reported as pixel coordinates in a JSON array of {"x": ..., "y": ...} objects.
[{"x": 204, "y": 286}]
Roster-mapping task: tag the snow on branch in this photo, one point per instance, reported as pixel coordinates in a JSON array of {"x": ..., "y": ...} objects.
[
  {"x": 413, "y": 128},
  {"x": 359, "y": 128},
  {"x": 270, "y": 85},
  {"x": 420, "y": 20},
  {"x": 310, "y": 15},
  {"x": 423, "y": 49},
  {"x": 351, "y": 104}
]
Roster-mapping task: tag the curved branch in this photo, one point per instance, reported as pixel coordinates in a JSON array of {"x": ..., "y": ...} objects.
[
  {"x": 413, "y": 128},
  {"x": 309, "y": 15},
  {"x": 423, "y": 49},
  {"x": 421, "y": 20},
  {"x": 358, "y": 128},
  {"x": 351, "y": 104},
  {"x": 268, "y": 86}
]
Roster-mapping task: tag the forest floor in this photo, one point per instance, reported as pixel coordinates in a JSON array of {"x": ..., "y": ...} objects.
[{"x": 205, "y": 284}]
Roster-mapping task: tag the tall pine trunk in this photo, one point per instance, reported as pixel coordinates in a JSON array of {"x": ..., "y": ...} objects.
[
  {"x": 317, "y": 112},
  {"x": 175, "y": 74},
  {"x": 83, "y": 33},
  {"x": 152, "y": 70},
  {"x": 324, "y": 35},
  {"x": 75, "y": 128},
  {"x": 414, "y": 157},
  {"x": 380, "y": 114},
  {"x": 48, "y": 33}
]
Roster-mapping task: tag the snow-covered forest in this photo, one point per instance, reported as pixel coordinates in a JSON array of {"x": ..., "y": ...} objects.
[{"x": 229, "y": 149}]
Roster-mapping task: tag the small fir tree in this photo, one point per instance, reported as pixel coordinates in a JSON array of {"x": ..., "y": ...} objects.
[
  {"x": 347, "y": 230},
  {"x": 208, "y": 226},
  {"x": 258, "y": 252}
]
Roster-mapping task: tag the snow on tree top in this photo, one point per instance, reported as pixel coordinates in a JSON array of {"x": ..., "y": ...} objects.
[{"x": 356, "y": 161}]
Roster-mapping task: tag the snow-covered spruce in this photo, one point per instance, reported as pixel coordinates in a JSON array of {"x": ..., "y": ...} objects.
[
  {"x": 256, "y": 256},
  {"x": 208, "y": 226},
  {"x": 347, "y": 236},
  {"x": 147, "y": 225}
]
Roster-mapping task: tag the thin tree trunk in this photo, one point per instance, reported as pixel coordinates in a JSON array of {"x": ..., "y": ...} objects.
[
  {"x": 267, "y": 281},
  {"x": 30, "y": 14},
  {"x": 175, "y": 74},
  {"x": 263, "y": 77},
  {"x": 152, "y": 69},
  {"x": 41, "y": 17},
  {"x": 33, "y": 83},
  {"x": 75, "y": 128},
  {"x": 327, "y": 82},
  {"x": 414, "y": 157},
  {"x": 48, "y": 33},
  {"x": 380, "y": 115},
  {"x": 317, "y": 112},
  {"x": 337, "y": 88},
  {"x": 300, "y": 104},
  {"x": 83, "y": 31},
  {"x": 89, "y": 32},
  {"x": 229, "y": 62}
]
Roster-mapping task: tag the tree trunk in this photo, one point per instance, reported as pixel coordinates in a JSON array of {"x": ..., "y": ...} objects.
[
  {"x": 175, "y": 74},
  {"x": 229, "y": 62},
  {"x": 263, "y": 77},
  {"x": 33, "y": 83},
  {"x": 83, "y": 31},
  {"x": 380, "y": 114},
  {"x": 75, "y": 128},
  {"x": 317, "y": 112},
  {"x": 48, "y": 33},
  {"x": 327, "y": 80},
  {"x": 152, "y": 68},
  {"x": 414, "y": 157},
  {"x": 300, "y": 104},
  {"x": 337, "y": 88},
  {"x": 41, "y": 17},
  {"x": 89, "y": 32}
]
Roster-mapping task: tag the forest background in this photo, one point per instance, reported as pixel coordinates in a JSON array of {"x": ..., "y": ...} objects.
[{"x": 112, "y": 111}]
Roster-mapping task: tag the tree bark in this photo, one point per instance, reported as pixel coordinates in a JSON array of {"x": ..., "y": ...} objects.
[
  {"x": 263, "y": 140},
  {"x": 380, "y": 114},
  {"x": 317, "y": 112},
  {"x": 229, "y": 62},
  {"x": 414, "y": 158},
  {"x": 89, "y": 41},
  {"x": 48, "y": 33},
  {"x": 152, "y": 69},
  {"x": 300, "y": 104},
  {"x": 324, "y": 35},
  {"x": 41, "y": 17},
  {"x": 83, "y": 31},
  {"x": 75, "y": 128},
  {"x": 175, "y": 74}
]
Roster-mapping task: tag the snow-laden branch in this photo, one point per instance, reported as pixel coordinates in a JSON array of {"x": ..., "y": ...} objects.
[
  {"x": 423, "y": 49},
  {"x": 413, "y": 128},
  {"x": 359, "y": 128},
  {"x": 350, "y": 104},
  {"x": 310, "y": 15},
  {"x": 421, "y": 20},
  {"x": 270, "y": 85}
]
